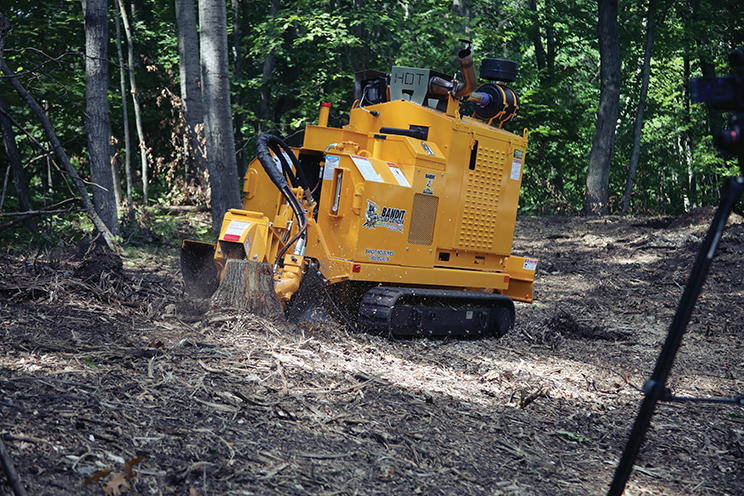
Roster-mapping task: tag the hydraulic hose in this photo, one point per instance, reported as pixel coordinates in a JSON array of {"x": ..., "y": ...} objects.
[{"x": 265, "y": 144}]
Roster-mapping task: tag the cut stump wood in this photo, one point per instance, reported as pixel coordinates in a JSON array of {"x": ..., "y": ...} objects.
[{"x": 249, "y": 286}]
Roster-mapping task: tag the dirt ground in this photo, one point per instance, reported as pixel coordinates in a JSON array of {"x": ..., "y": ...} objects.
[{"x": 112, "y": 382}]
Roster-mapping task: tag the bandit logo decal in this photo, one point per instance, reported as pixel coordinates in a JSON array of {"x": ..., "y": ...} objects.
[
  {"x": 429, "y": 184},
  {"x": 391, "y": 218}
]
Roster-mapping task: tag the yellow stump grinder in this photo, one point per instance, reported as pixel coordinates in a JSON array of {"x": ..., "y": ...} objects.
[{"x": 400, "y": 222}]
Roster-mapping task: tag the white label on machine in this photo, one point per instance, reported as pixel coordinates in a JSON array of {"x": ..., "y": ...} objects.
[
  {"x": 529, "y": 264},
  {"x": 235, "y": 230},
  {"x": 379, "y": 255},
  {"x": 367, "y": 170},
  {"x": 398, "y": 174},
  {"x": 516, "y": 170},
  {"x": 331, "y": 162}
]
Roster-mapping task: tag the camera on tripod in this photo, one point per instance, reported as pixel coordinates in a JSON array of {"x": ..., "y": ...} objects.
[{"x": 725, "y": 94}]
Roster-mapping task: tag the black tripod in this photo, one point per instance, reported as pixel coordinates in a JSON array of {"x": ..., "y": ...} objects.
[{"x": 655, "y": 388}]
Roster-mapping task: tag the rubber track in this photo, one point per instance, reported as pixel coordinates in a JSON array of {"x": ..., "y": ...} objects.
[{"x": 376, "y": 308}]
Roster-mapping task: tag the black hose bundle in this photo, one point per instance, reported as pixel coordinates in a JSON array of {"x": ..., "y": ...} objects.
[{"x": 265, "y": 144}]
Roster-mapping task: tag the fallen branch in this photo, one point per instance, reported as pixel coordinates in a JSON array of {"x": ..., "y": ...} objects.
[
  {"x": 10, "y": 470},
  {"x": 180, "y": 209},
  {"x": 111, "y": 241},
  {"x": 50, "y": 210}
]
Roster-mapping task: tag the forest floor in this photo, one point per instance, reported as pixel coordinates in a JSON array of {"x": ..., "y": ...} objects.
[{"x": 112, "y": 382}]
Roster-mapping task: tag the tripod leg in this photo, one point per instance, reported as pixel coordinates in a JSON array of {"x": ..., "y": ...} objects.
[{"x": 655, "y": 387}]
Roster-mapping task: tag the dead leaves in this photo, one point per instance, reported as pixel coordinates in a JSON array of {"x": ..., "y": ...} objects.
[
  {"x": 118, "y": 482},
  {"x": 113, "y": 488}
]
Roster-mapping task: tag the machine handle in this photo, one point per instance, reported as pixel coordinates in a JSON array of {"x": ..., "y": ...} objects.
[{"x": 422, "y": 134}]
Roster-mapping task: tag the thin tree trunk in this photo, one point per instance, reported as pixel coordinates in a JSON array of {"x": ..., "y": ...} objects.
[
  {"x": 19, "y": 178},
  {"x": 707, "y": 65},
  {"x": 60, "y": 151},
  {"x": 223, "y": 168},
  {"x": 116, "y": 177},
  {"x": 540, "y": 57},
  {"x": 635, "y": 153},
  {"x": 50, "y": 175},
  {"x": 461, "y": 10},
  {"x": 5, "y": 28},
  {"x": 125, "y": 114},
  {"x": 686, "y": 138},
  {"x": 191, "y": 91},
  {"x": 603, "y": 145},
  {"x": 135, "y": 100},
  {"x": 267, "y": 116},
  {"x": 238, "y": 75},
  {"x": 97, "y": 123},
  {"x": 550, "y": 38}
]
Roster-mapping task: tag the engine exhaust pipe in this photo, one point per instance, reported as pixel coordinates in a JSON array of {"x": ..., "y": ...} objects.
[
  {"x": 439, "y": 86},
  {"x": 468, "y": 73}
]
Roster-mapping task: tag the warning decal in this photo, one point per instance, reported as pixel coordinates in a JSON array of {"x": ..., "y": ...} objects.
[
  {"x": 366, "y": 169},
  {"x": 529, "y": 264},
  {"x": 331, "y": 162},
  {"x": 398, "y": 175},
  {"x": 516, "y": 169},
  {"x": 235, "y": 230}
]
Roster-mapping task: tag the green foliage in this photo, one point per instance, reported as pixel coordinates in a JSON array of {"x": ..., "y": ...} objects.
[
  {"x": 574, "y": 437},
  {"x": 318, "y": 46}
]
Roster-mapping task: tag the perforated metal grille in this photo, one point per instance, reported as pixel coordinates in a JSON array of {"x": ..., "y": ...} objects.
[
  {"x": 478, "y": 225},
  {"x": 423, "y": 219}
]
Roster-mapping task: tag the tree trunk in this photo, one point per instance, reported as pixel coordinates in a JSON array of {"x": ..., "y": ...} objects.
[
  {"x": 5, "y": 27},
  {"x": 135, "y": 99},
  {"x": 125, "y": 114},
  {"x": 60, "y": 151},
  {"x": 241, "y": 155},
  {"x": 223, "y": 168},
  {"x": 603, "y": 145},
  {"x": 465, "y": 15},
  {"x": 540, "y": 57},
  {"x": 686, "y": 139},
  {"x": 191, "y": 93},
  {"x": 19, "y": 178},
  {"x": 639, "y": 114},
  {"x": 550, "y": 38},
  {"x": 97, "y": 122},
  {"x": 51, "y": 176},
  {"x": 267, "y": 116},
  {"x": 716, "y": 120}
]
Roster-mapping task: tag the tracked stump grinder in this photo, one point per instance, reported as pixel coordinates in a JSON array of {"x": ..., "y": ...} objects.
[{"x": 400, "y": 222}]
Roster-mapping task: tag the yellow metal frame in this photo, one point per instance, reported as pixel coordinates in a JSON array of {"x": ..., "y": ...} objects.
[{"x": 398, "y": 210}]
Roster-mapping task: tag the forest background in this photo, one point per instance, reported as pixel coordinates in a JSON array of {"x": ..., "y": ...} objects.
[{"x": 286, "y": 57}]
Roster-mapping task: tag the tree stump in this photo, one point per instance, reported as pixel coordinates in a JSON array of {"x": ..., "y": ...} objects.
[{"x": 249, "y": 286}]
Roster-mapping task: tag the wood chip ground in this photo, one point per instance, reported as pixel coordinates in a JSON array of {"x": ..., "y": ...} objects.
[{"x": 113, "y": 382}]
